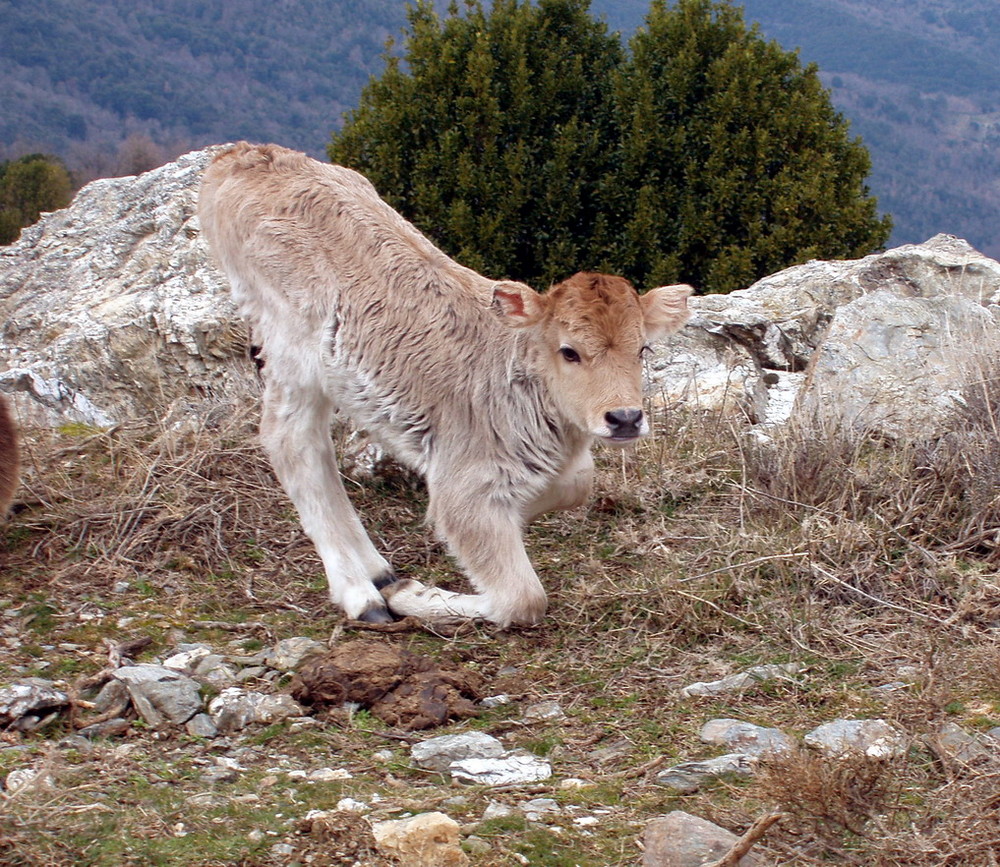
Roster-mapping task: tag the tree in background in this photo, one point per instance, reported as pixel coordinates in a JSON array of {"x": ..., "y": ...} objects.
[
  {"x": 495, "y": 137},
  {"x": 28, "y": 186},
  {"x": 733, "y": 163},
  {"x": 528, "y": 145}
]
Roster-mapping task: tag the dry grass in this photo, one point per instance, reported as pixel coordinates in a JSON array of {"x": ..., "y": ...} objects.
[{"x": 703, "y": 552}]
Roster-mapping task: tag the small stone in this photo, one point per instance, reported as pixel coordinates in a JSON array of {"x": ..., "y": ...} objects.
[
  {"x": 515, "y": 769},
  {"x": 201, "y": 726},
  {"x": 187, "y": 660},
  {"x": 282, "y": 850},
  {"x": 328, "y": 775},
  {"x": 25, "y": 779},
  {"x": 477, "y": 845},
  {"x": 682, "y": 840},
  {"x": 742, "y": 681},
  {"x": 537, "y": 808},
  {"x": 424, "y": 840},
  {"x": 288, "y": 654},
  {"x": 108, "y": 729},
  {"x": 276, "y": 708},
  {"x": 496, "y": 810},
  {"x": 690, "y": 776},
  {"x": 437, "y": 754},
  {"x": 349, "y": 805},
  {"x": 574, "y": 783},
  {"x": 957, "y": 744},
  {"x": 36, "y": 699},
  {"x": 873, "y": 737},
  {"x": 744, "y": 737},
  {"x": 159, "y": 694},
  {"x": 544, "y": 711},
  {"x": 495, "y": 701}
]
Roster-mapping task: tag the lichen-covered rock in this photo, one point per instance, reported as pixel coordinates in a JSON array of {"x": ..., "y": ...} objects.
[{"x": 110, "y": 308}]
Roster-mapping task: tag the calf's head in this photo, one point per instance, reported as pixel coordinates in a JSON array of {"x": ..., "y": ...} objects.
[{"x": 589, "y": 334}]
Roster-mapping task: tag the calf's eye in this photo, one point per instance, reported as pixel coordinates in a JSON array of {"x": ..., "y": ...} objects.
[{"x": 570, "y": 354}]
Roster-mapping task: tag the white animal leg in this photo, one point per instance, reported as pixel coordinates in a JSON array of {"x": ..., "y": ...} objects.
[
  {"x": 489, "y": 547},
  {"x": 295, "y": 431}
]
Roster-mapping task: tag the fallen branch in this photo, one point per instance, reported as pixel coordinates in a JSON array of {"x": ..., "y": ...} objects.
[{"x": 742, "y": 846}]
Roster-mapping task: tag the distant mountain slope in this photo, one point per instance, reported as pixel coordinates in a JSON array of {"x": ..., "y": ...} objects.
[
  {"x": 188, "y": 71},
  {"x": 918, "y": 79}
]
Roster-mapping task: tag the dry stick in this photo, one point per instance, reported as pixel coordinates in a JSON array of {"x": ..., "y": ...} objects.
[{"x": 740, "y": 848}]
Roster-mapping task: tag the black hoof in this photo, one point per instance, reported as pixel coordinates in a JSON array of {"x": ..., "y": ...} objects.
[
  {"x": 377, "y": 614},
  {"x": 385, "y": 580}
]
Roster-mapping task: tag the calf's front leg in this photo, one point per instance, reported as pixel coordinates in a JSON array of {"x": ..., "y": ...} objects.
[
  {"x": 487, "y": 542},
  {"x": 295, "y": 432}
]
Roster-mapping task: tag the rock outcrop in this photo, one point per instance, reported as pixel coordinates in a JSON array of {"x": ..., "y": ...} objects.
[{"x": 111, "y": 310}]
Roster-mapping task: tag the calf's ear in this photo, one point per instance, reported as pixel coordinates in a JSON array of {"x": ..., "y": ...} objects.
[
  {"x": 517, "y": 304},
  {"x": 665, "y": 309}
]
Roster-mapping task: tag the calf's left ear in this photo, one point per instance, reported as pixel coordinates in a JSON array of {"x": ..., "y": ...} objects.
[
  {"x": 518, "y": 304},
  {"x": 665, "y": 309}
]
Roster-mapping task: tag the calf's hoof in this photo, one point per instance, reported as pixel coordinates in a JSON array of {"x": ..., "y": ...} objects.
[{"x": 376, "y": 614}]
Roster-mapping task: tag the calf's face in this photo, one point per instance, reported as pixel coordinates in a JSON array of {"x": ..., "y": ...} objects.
[{"x": 591, "y": 332}]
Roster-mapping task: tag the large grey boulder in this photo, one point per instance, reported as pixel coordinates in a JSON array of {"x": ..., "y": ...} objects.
[
  {"x": 880, "y": 343},
  {"x": 110, "y": 309}
]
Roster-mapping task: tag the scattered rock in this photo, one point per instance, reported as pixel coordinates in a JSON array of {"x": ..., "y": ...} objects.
[
  {"x": 515, "y": 769},
  {"x": 289, "y": 653},
  {"x": 682, "y": 840},
  {"x": 873, "y": 737},
  {"x": 742, "y": 681},
  {"x": 437, "y": 754},
  {"x": 744, "y": 737},
  {"x": 26, "y": 779},
  {"x": 496, "y": 810},
  {"x": 159, "y": 694},
  {"x": 543, "y": 711},
  {"x": 400, "y": 688},
  {"x": 235, "y": 708},
  {"x": 953, "y": 742},
  {"x": 201, "y": 725},
  {"x": 424, "y": 840},
  {"x": 26, "y": 706},
  {"x": 108, "y": 729},
  {"x": 538, "y": 808},
  {"x": 691, "y": 776},
  {"x": 492, "y": 701}
]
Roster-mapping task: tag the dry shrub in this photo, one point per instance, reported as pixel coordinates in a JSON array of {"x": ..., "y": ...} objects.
[
  {"x": 859, "y": 810},
  {"x": 831, "y": 804},
  {"x": 161, "y": 503},
  {"x": 894, "y": 519}
]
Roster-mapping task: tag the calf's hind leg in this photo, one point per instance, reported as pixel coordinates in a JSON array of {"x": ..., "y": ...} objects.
[{"x": 295, "y": 432}]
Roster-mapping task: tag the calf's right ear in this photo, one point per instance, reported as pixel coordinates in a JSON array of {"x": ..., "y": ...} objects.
[
  {"x": 517, "y": 304},
  {"x": 665, "y": 309}
]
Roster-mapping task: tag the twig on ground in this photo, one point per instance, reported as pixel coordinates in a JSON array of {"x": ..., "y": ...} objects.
[{"x": 742, "y": 846}]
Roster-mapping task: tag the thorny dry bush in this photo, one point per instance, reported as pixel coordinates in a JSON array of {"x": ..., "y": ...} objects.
[{"x": 702, "y": 552}]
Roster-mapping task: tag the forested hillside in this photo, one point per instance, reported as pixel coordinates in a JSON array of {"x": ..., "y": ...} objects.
[
  {"x": 918, "y": 80},
  {"x": 81, "y": 75}
]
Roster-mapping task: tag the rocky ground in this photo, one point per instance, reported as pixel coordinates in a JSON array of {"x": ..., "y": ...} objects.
[{"x": 726, "y": 652}]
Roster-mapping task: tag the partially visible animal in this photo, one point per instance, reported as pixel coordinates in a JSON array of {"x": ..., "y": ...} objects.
[
  {"x": 9, "y": 457},
  {"x": 492, "y": 391}
]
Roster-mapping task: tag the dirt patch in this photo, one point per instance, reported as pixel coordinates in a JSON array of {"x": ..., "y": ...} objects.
[
  {"x": 339, "y": 839},
  {"x": 401, "y": 688}
]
